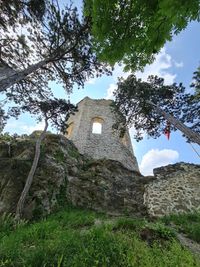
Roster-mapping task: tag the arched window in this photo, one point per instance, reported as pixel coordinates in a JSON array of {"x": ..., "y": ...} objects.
[
  {"x": 70, "y": 129},
  {"x": 97, "y": 125}
]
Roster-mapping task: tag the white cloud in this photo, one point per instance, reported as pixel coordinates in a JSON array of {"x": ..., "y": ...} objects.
[
  {"x": 160, "y": 67},
  {"x": 29, "y": 129},
  {"x": 178, "y": 64},
  {"x": 117, "y": 73},
  {"x": 156, "y": 158},
  {"x": 91, "y": 80},
  {"x": 22, "y": 128},
  {"x": 110, "y": 91}
]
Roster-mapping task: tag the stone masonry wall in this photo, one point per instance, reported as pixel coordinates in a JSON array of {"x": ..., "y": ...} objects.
[
  {"x": 63, "y": 177},
  {"x": 105, "y": 145},
  {"x": 176, "y": 189}
]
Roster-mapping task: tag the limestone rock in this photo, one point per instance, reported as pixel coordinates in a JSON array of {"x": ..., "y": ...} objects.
[
  {"x": 64, "y": 176},
  {"x": 107, "y": 143}
]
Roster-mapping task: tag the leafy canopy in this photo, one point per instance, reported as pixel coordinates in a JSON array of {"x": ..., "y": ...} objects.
[
  {"x": 133, "y": 99},
  {"x": 35, "y": 51},
  {"x": 12, "y": 10},
  {"x": 133, "y": 31},
  {"x": 52, "y": 110},
  {"x": 196, "y": 82},
  {"x": 61, "y": 44}
]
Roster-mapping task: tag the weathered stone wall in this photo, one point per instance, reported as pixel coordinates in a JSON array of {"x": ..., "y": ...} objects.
[
  {"x": 176, "y": 189},
  {"x": 105, "y": 145},
  {"x": 105, "y": 185},
  {"x": 65, "y": 177}
]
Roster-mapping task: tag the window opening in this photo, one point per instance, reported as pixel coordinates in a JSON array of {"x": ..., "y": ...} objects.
[
  {"x": 97, "y": 125},
  {"x": 97, "y": 128}
]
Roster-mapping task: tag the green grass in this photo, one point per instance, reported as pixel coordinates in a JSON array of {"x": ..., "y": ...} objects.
[
  {"x": 80, "y": 238},
  {"x": 188, "y": 224}
]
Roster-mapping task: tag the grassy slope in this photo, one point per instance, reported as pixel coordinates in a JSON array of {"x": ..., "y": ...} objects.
[
  {"x": 188, "y": 224},
  {"x": 83, "y": 238}
]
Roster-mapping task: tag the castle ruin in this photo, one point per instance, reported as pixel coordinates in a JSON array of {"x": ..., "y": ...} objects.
[{"x": 91, "y": 131}]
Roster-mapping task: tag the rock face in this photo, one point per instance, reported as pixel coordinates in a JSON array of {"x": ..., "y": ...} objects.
[
  {"x": 105, "y": 185},
  {"x": 66, "y": 177},
  {"x": 176, "y": 189},
  {"x": 107, "y": 143}
]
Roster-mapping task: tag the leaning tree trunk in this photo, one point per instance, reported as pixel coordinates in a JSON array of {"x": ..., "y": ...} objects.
[
  {"x": 20, "y": 204},
  {"x": 16, "y": 76},
  {"x": 191, "y": 135}
]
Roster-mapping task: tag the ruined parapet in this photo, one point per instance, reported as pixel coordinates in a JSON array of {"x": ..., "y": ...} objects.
[
  {"x": 91, "y": 131},
  {"x": 175, "y": 189}
]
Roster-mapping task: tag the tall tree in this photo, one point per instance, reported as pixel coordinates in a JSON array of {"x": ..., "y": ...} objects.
[
  {"x": 57, "y": 48},
  {"x": 196, "y": 83},
  {"x": 149, "y": 105},
  {"x": 133, "y": 31},
  {"x": 54, "y": 111},
  {"x": 193, "y": 116},
  {"x": 12, "y": 10}
]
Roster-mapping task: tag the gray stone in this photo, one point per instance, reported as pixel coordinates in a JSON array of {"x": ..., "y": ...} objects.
[
  {"x": 176, "y": 189},
  {"x": 64, "y": 176},
  {"x": 108, "y": 144}
]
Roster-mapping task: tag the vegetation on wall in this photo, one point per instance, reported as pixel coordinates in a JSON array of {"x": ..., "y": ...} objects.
[{"x": 55, "y": 111}]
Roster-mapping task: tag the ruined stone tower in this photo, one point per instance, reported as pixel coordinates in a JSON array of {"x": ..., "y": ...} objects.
[{"x": 91, "y": 131}]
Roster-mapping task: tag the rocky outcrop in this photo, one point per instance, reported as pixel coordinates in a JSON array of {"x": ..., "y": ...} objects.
[
  {"x": 65, "y": 177},
  {"x": 105, "y": 185},
  {"x": 176, "y": 189}
]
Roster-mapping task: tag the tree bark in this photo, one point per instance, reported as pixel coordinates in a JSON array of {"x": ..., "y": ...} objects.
[
  {"x": 16, "y": 76},
  {"x": 21, "y": 201},
  {"x": 191, "y": 135}
]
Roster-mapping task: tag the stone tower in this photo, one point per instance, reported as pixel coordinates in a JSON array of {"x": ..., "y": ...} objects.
[{"x": 91, "y": 131}]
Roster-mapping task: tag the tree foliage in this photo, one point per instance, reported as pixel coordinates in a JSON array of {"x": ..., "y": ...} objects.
[
  {"x": 191, "y": 113},
  {"x": 146, "y": 104},
  {"x": 133, "y": 31},
  {"x": 57, "y": 48},
  {"x": 55, "y": 111},
  {"x": 12, "y": 10},
  {"x": 196, "y": 83},
  {"x": 35, "y": 52}
]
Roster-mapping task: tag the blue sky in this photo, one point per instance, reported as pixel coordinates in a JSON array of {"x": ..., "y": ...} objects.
[{"x": 176, "y": 63}]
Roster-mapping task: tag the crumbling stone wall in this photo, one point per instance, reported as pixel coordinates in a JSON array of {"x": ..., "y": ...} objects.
[
  {"x": 176, "y": 189},
  {"x": 108, "y": 144},
  {"x": 65, "y": 177}
]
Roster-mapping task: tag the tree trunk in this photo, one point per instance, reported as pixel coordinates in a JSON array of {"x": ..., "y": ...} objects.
[
  {"x": 191, "y": 135},
  {"x": 16, "y": 76},
  {"x": 20, "y": 204}
]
